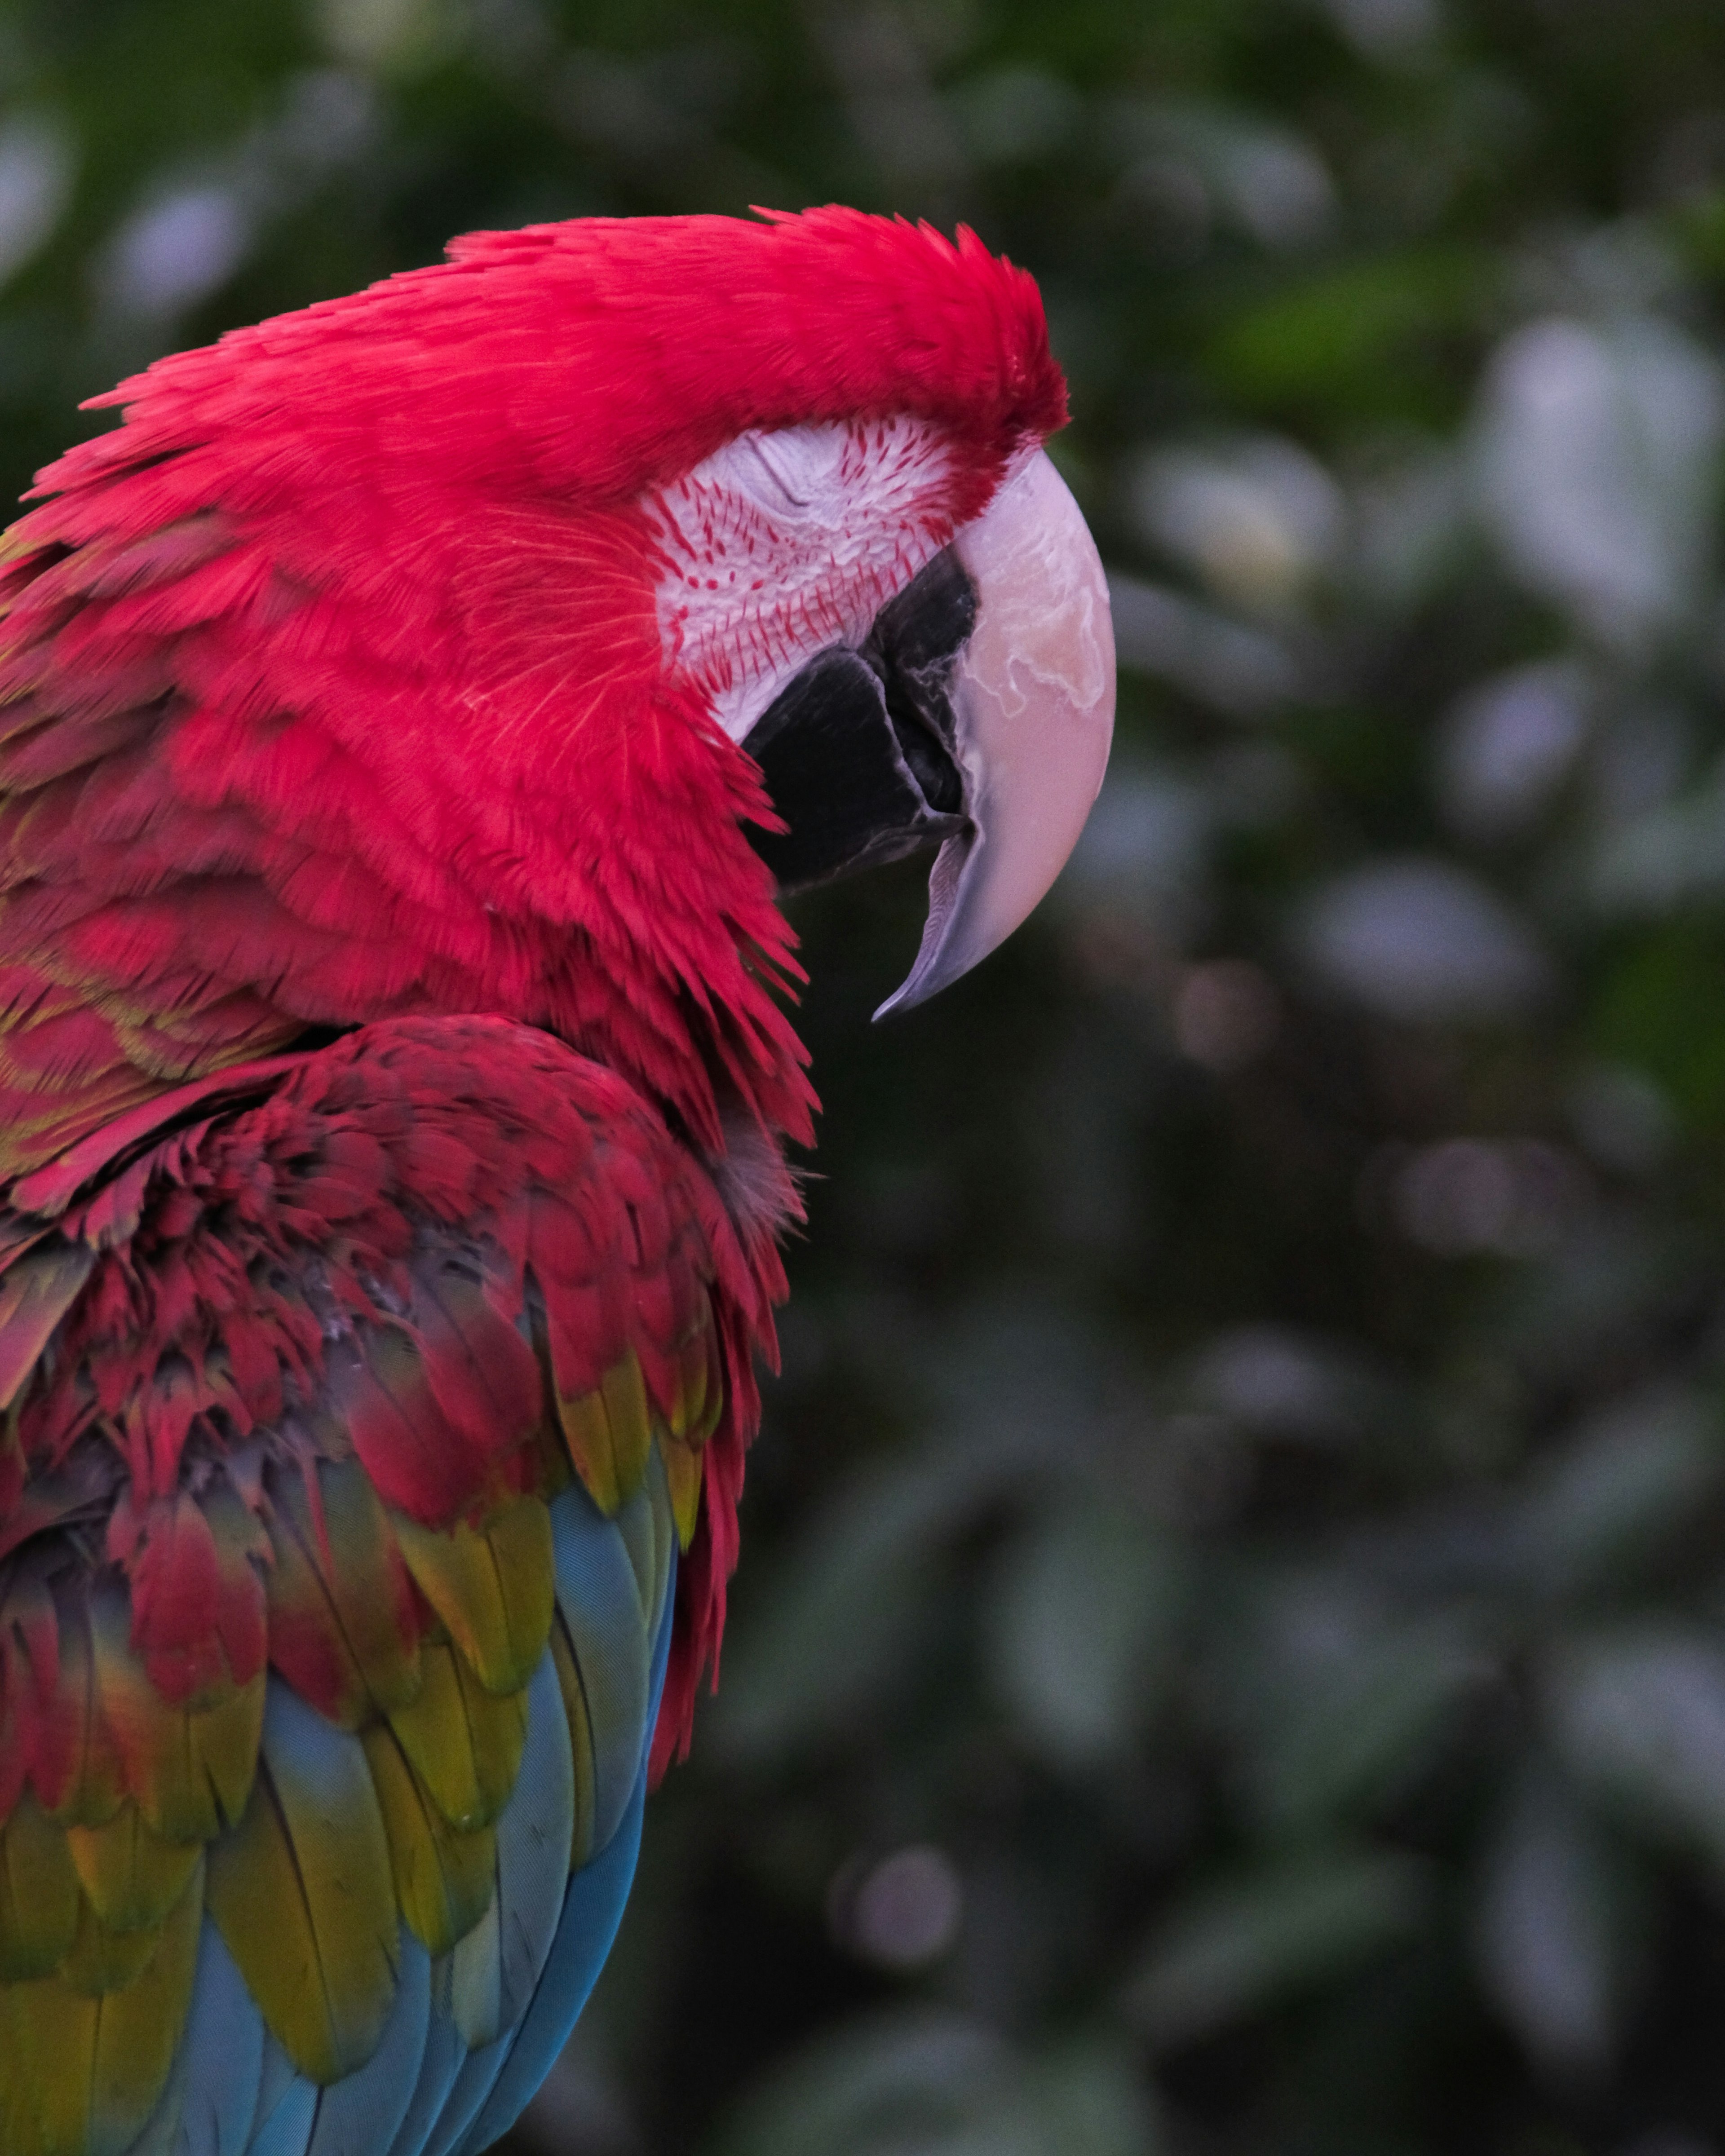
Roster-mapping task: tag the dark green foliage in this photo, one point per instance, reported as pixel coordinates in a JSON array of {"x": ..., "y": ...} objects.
[{"x": 1230, "y": 1652}]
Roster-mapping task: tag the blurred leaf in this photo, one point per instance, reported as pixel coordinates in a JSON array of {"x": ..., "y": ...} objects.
[
  {"x": 1422, "y": 940},
  {"x": 1081, "y": 1628},
  {"x": 1144, "y": 846},
  {"x": 1277, "y": 1381},
  {"x": 1093, "y": 2100},
  {"x": 933, "y": 2084},
  {"x": 37, "y": 156},
  {"x": 1655, "y": 1009},
  {"x": 1671, "y": 855},
  {"x": 1245, "y": 672},
  {"x": 1241, "y": 1944},
  {"x": 1640, "y": 1713},
  {"x": 1257, "y": 518},
  {"x": 1597, "y": 447},
  {"x": 1346, "y": 1731},
  {"x": 1508, "y": 746},
  {"x": 1266, "y": 180},
  {"x": 1550, "y": 1928},
  {"x": 1607, "y": 1282},
  {"x": 840, "y": 1630},
  {"x": 1634, "y": 1478},
  {"x": 1360, "y": 336}
]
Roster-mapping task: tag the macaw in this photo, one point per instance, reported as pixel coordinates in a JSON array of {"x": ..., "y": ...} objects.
[{"x": 410, "y": 714}]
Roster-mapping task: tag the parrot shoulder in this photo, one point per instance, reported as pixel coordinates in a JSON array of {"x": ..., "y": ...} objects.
[{"x": 372, "y": 1427}]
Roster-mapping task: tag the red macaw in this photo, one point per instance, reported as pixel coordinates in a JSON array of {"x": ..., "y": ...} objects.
[{"x": 394, "y": 1082}]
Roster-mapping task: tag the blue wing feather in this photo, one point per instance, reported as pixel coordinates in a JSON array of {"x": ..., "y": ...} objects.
[
  {"x": 424, "y": 2092},
  {"x": 532, "y": 1867},
  {"x": 446, "y": 2056},
  {"x": 359, "y": 2116},
  {"x": 279, "y": 2075},
  {"x": 224, "y": 2052},
  {"x": 494, "y": 1970},
  {"x": 211, "y": 2101},
  {"x": 225, "y": 2049},
  {"x": 287, "y": 2131},
  {"x": 593, "y": 1909},
  {"x": 601, "y": 1602},
  {"x": 473, "y": 2085}
]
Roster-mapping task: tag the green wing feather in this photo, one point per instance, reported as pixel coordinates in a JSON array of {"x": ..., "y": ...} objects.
[
  {"x": 38, "y": 1894},
  {"x": 320, "y": 1808},
  {"x": 84, "y": 2069},
  {"x": 301, "y": 1893}
]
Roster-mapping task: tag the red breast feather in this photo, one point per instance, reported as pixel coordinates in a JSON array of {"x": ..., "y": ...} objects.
[{"x": 334, "y": 687}]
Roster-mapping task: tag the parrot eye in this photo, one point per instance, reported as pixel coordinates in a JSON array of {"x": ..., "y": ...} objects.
[
  {"x": 976, "y": 711},
  {"x": 787, "y": 470},
  {"x": 858, "y": 750},
  {"x": 786, "y": 543}
]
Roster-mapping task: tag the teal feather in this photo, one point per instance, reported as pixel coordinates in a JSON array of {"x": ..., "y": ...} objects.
[
  {"x": 601, "y": 1602},
  {"x": 219, "y": 2071},
  {"x": 532, "y": 1873},
  {"x": 467, "y": 2096},
  {"x": 444, "y": 2056},
  {"x": 593, "y": 1909},
  {"x": 494, "y": 1970},
  {"x": 604, "y": 1600},
  {"x": 287, "y": 2131},
  {"x": 224, "y": 2026},
  {"x": 359, "y": 2116},
  {"x": 279, "y": 2075}
]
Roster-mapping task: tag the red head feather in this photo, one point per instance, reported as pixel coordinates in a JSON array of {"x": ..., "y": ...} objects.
[{"x": 336, "y": 686}]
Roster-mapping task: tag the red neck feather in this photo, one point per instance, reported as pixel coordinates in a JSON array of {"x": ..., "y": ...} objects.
[{"x": 349, "y": 635}]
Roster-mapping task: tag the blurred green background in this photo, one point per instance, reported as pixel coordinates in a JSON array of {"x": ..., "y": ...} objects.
[{"x": 1230, "y": 1656}]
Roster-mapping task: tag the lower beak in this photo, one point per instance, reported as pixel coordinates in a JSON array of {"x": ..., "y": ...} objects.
[{"x": 1032, "y": 697}]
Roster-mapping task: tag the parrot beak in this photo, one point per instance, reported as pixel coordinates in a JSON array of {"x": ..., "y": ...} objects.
[
  {"x": 1032, "y": 697},
  {"x": 974, "y": 717}
]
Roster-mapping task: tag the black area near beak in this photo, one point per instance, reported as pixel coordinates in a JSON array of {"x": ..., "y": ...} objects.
[
  {"x": 976, "y": 715},
  {"x": 857, "y": 751}
]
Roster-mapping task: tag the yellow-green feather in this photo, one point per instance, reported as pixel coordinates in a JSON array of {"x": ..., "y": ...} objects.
[
  {"x": 130, "y": 1875},
  {"x": 95, "y": 1785},
  {"x": 303, "y": 1895},
  {"x": 492, "y": 1585},
  {"x": 340, "y": 1560},
  {"x": 464, "y": 1742},
  {"x": 473, "y": 1993},
  {"x": 609, "y": 1432},
  {"x": 83, "y": 2072},
  {"x": 445, "y": 1880},
  {"x": 581, "y": 1741},
  {"x": 190, "y": 1766},
  {"x": 103, "y": 1959},
  {"x": 39, "y": 1894}
]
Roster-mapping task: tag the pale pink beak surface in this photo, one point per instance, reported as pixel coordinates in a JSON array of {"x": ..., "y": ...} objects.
[{"x": 1033, "y": 697}]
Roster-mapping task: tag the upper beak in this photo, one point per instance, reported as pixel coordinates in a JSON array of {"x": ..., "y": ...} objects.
[{"x": 1032, "y": 697}]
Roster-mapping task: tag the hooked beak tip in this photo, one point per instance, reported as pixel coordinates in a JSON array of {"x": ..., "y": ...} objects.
[
  {"x": 936, "y": 965},
  {"x": 1033, "y": 702}
]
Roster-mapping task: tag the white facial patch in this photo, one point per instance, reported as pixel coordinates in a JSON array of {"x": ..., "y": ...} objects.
[{"x": 788, "y": 540}]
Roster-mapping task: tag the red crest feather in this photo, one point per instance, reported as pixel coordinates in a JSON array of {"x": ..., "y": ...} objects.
[{"x": 334, "y": 691}]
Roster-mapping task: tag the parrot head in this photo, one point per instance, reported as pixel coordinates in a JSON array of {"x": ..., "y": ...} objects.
[
  {"x": 442, "y": 685},
  {"x": 507, "y": 637},
  {"x": 900, "y": 613}
]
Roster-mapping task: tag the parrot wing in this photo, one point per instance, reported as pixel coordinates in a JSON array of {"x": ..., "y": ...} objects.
[{"x": 356, "y": 1406}]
